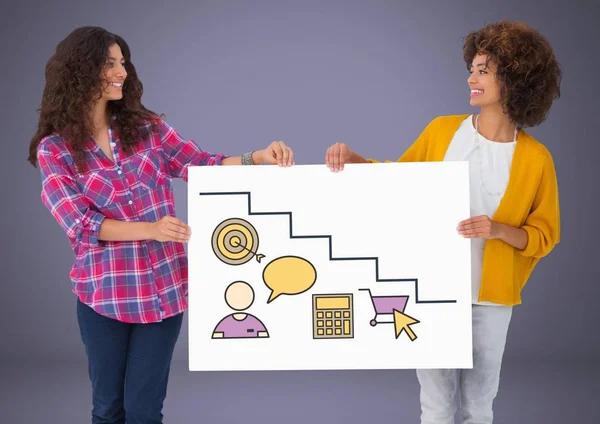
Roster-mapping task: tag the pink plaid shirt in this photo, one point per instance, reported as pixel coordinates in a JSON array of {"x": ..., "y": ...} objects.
[{"x": 131, "y": 281}]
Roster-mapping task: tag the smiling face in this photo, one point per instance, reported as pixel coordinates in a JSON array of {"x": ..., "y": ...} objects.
[
  {"x": 485, "y": 88},
  {"x": 114, "y": 74}
]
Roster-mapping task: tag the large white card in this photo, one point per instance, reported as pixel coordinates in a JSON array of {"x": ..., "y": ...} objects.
[{"x": 302, "y": 268}]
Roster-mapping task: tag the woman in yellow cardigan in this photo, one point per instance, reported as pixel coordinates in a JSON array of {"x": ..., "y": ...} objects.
[{"x": 515, "y": 220}]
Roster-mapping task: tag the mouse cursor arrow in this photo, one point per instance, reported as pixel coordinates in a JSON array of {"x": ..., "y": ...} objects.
[{"x": 402, "y": 322}]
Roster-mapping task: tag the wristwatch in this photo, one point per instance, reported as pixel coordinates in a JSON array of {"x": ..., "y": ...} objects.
[{"x": 247, "y": 158}]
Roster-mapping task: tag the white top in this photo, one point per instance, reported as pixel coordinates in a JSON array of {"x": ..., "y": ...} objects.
[{"x": 489, "y": 169}]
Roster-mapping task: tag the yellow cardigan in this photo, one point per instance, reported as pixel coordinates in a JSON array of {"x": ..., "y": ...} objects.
[{"x": 530, "y": 202}]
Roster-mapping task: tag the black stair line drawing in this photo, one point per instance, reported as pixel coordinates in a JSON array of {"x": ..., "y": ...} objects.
[{"x": 329, "y": 238}]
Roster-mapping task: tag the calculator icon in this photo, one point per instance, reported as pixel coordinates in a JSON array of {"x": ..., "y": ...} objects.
[{"x": 333, "y": 316}]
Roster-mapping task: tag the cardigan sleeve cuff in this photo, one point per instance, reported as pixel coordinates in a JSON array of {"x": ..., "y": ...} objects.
[{"x": 533, "y": 241}]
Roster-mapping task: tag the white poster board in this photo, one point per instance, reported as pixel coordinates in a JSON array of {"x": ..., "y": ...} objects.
[{"x": 301, "y": 268}]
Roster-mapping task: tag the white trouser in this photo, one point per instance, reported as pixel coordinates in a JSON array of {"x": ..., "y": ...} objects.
[{"x": 476, "y": 387}]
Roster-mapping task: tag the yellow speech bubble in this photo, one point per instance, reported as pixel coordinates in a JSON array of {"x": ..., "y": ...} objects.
[{"x": 289, "y": 275}]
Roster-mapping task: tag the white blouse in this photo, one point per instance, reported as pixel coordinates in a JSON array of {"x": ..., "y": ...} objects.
[{"x": 489, "y": 170}]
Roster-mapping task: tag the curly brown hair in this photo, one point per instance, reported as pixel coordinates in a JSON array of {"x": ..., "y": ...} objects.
[
  {"x": 73, "y": 82},
  {"x": 526, "y": 65}
]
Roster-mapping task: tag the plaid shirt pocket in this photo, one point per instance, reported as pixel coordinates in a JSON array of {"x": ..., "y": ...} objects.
[
  {"x": 98, "y": 188},
  {"x": 149, "y": 167}
]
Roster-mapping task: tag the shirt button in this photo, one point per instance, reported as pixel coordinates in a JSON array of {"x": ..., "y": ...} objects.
[
  {"x": 112, "y": 143},
  {"x": 130, "y": 202},
  {"x": 77, "y": 221},
  {"x": 119, "y": 172}
]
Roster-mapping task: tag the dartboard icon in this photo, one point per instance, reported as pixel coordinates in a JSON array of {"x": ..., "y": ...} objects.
[{"x": 235, "y": 242}]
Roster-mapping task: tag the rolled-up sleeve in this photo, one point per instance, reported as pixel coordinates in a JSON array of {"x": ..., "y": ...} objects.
[
  {"x": 181, "y": 153},
  {"x": 62, "y": 197}
]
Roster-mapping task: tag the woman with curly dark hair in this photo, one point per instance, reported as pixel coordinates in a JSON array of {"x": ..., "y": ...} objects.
[
  {"x": 515, "y": 219},
  {"x": 106, "y": 165}
]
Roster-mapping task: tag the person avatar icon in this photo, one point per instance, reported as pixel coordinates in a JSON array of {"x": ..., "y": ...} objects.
[{"x": 239, "y": 296}]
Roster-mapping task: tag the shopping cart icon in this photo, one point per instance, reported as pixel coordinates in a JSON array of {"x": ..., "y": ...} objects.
[
  {"x": 390, "y": 310},
  {"x": 384, "y": 307}
]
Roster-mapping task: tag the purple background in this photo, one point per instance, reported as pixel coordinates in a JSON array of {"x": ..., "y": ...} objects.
[{"x": 236, "y": 75}]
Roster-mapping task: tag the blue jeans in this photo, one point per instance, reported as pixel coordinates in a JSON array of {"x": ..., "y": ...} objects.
[{"x": 128, "y": 366}]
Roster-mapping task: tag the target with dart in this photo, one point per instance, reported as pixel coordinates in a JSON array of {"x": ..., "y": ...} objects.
[{"x": 235, "y": 242}]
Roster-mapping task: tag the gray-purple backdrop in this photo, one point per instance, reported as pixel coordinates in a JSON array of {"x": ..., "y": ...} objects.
[{"x": 236, "y": 75}]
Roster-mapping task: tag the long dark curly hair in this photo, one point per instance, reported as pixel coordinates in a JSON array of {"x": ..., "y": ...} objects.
[
  {"x": 73, "y": 82},
  {"x": 526, "y": 66}
]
